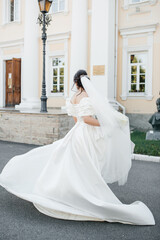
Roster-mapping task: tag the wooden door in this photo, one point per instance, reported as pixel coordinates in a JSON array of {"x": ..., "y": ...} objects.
[{"x": 13, "y": 82}]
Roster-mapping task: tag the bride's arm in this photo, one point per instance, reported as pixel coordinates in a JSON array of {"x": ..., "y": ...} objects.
[
  {"x": 75, "y": 119},
  {"x": 91, "y": 121}
]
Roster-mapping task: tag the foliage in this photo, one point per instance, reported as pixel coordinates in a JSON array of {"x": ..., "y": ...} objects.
[{"x": 146, "y": 147}]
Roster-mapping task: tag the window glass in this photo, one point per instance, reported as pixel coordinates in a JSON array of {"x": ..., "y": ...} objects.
[
  {"x": 58, "y": 65},
  {"x": 16, "y": 9},
  {"x": 137, "y": 66},
  {"x": 12, "y": 13},
  {"x": 57, "y": 6},
  {"x": 61, "y": 5},
  {"x": 12, "y": 10}
]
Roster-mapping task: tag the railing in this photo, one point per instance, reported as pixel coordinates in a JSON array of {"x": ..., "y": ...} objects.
[{"x": 120, "y": 105}]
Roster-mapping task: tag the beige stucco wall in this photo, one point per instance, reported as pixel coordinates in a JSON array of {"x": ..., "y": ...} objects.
[
  {"x": 11, "y": 51},
  {"x": 55, "y": 101},
  {"x": 14, "y": 30},
  {"x": 127, "y": 18},
  {"x": 57, "y": 26},
  {"x": 61, "y": 22},
  {"x": 149, "y": 14}
]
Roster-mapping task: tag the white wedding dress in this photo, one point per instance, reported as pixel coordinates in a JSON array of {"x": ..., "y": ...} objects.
[{"x": 63, "y": 179}]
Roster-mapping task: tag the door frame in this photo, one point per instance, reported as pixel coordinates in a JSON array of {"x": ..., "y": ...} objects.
[
  {"x": 3, "y": 76},
  {"x": 17, "y": 92}
]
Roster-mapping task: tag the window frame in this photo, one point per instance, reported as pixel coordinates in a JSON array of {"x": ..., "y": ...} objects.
[
  {"x": 59, "y": 11},
  {"x": 49, "y": 82},
  {"x": 128, "y": 4},
  {"x": 6, "y": 12},
  {"x": 138, "y": 73},
  {"x": 146, "y": 31},
  {"x": 141, "y": 1},
  {"x": 9, "y": 11},
  {"x": 58, "y": 75},
  {"x": 50, "y": 53}
]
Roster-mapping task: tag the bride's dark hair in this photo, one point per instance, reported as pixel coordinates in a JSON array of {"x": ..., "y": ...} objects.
[{"x": 77, "y": 78}]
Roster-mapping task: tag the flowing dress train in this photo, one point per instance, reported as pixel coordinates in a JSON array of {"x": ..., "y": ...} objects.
[{"x": 63, "y": 179}]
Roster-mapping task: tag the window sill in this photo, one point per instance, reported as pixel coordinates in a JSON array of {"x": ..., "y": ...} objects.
[
  {"x": 64, "y": 12},
  {"x": 58, "y": 94},
  {"x": 136, "y": 96},
  {"x": 138, "y": 4},
  {"x": 128, "y": 5},
  {"x": 10, "y": 23}
]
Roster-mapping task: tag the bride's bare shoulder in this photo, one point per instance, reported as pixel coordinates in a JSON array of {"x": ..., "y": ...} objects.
[
  {"x": 73, "y": 98},
  {"x": 85, "y": 94},
  {"x": 80, "y": 96},
  {"x": 77, "y": 97}
]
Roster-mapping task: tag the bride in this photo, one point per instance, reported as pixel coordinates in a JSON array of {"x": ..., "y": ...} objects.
[{"x": 68, "y": 178}]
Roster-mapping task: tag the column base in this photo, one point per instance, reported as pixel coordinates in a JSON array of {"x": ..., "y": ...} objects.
[{"x": 29, "y": 104}]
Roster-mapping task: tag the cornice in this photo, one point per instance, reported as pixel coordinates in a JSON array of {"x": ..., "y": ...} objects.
[
  {"x": 58, "y": 36},
  {"x": 138, "y": 29},
  {"x": 12, "y": 43}
]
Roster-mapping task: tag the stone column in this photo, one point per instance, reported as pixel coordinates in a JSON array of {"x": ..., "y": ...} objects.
[
  {"x": 30, "y": 62},
  {"x": 79, "y": 38},
  {"x": 103, "y": 45}
]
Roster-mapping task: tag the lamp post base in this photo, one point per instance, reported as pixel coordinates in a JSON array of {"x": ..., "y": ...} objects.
[{"x": 43, "y": 104}]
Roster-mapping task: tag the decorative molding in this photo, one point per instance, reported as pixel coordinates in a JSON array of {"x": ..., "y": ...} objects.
[
  {"x": 58, "y": 36},
  {"x": 65, "y": 11},
  {"x": 138, "y": 29},
  {"x": 56, "y": 53},
  {"x": 148, "y": 94},
  {"x": 124, "y": 72},
  {"x": 6, "y": 13},
  {"x": 3, "y": 58},
  {"x": 50, "y": 55},
  {"x": 139, "y": 12},
  {"x": 128, "y": 5},
  {"x": 12, "y": 43},
  {"x": 10, "y": 57}
]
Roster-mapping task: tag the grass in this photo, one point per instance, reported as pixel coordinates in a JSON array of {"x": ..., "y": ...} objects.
[{"x": 146, "y": 147}]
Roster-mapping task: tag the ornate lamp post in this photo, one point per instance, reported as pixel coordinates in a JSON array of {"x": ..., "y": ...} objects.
[{"x": 44, "y": 6}]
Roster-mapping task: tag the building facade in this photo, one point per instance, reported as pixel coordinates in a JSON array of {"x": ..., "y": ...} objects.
[
  {"x": 138, "y": 82},
  {"x": 116, "y": 41}
]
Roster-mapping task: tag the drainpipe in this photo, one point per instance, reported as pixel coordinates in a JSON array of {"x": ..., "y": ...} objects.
[{"x": 116, "y": 48}]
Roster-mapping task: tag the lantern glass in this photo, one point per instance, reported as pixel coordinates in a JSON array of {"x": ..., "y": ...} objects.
[{"x": 44, "y": 5}]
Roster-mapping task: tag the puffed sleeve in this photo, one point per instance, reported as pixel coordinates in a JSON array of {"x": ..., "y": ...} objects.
[
  {"x": 85, "y": 108},
  {"x": 70, "y": 108}
]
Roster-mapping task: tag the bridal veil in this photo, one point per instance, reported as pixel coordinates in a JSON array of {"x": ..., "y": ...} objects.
[{"x": 118, "y": 147}]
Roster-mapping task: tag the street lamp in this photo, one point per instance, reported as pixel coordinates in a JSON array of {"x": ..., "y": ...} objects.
[{"x": 44, "y": 6}]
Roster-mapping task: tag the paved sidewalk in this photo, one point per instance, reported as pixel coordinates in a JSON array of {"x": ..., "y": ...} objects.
[{"x": 20, "y": 220}]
